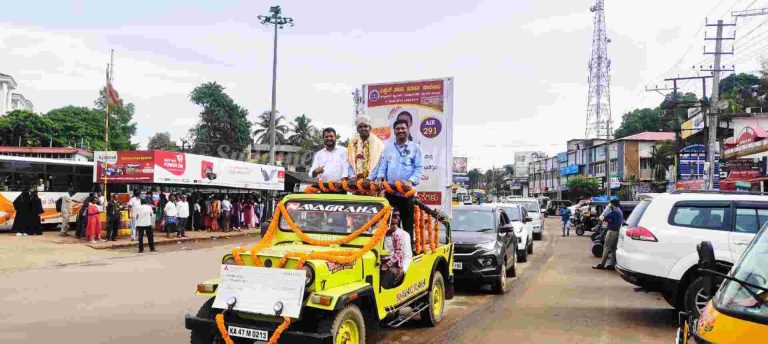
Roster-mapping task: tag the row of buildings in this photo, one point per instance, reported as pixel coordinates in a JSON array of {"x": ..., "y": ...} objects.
[{"x": 10, "y": 99}]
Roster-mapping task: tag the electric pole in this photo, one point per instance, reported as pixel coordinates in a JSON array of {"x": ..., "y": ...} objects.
[
  {"x": 279, "y": 22},
  {"x": 714, "y": 106}
]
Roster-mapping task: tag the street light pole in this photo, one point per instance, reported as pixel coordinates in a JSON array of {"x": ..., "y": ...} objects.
[{"x": 279, "y": 22}]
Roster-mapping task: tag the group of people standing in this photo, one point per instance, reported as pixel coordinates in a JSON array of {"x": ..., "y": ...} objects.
[{"x": 28, "y": 207}]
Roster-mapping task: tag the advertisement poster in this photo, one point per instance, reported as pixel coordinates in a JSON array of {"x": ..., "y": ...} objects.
[
  {"x": 124, "y": 166},
  {"x": 164, "y": 167},
  {"x": 460, "y": 165},
  {"x": 427, "y": 106}
]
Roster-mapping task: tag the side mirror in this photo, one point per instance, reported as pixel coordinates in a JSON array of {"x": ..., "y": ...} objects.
[
  {"x": 707, "y": 261},
  {"x": 264, "y": 228},
  {"x": 508, "y": 228},
  {"x": 527, "y": 219}
]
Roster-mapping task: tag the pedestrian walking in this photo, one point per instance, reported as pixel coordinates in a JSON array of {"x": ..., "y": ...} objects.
[
  {"x": 36, "y": 209},
  {"x": 66, "y": 212},
  {"x": 226, "y": 213},
  {"x": 133, "y": 205},
  {"x": 565, "y": 216},
  {"x": 182, "y": 210},
  {"x": 170, "y": 213},
  {"x": 93, "y": 228},
  {"x": 144, "y": 218},
  {"x": 113, "y": 217},
  {"x": 613, "y": 219},
  {"x": 22, "y": 220}
]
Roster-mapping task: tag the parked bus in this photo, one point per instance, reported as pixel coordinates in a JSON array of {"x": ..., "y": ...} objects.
[{"x": 58, "y": 176}]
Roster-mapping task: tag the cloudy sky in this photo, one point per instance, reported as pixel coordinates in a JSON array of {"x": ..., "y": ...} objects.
[{"x": 520, "y": 67}]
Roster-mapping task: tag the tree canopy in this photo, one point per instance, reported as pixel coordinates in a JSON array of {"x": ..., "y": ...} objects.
[
  {"x": 162, "y": 141},
  {"x": 24, "y": 128},
  {"x": 222, "y": 125},
  {"x": 262, "y": 134},
  {"x": 581, "y": 187}
]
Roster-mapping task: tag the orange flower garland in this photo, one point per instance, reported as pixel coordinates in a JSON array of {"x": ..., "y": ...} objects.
[
  {"x": 321, "y": 185},
  {"x": 332, "y": 186},
  {"x": 431, "y": 238},
  {"x": 223, "y": 328},
  {"x": 359, "y": 184},
  {"x": 437, "y": 233},
  {"x": 416, "y": 231},
  {"x": 387, "y": 187},
  {"x": 276, "y": 336},
  {"x": 345, "y": 185},
  {"x": 380, "y": 216},
  {"x": 424, "y": 216},
  {"x": 311, "y": 189}
]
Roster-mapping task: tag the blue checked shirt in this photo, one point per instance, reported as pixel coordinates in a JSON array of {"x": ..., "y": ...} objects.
[{"x": 400, "y": 163}]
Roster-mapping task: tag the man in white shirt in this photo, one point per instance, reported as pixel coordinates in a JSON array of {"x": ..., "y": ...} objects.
[
  {"x": 171, "y": 218},
  {"x": 133, "y": 205},
  {"x": 226, "y": 213},
  {"x": 398, "y": 244},
  {"x": 182, "y": 209},
  {"x": 143, "y": 217},
  {"x": 66, "y": 212},
  {"x": 330, "y": 163}
]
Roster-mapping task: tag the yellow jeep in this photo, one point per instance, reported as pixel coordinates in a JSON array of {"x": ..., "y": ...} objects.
[{"x": 338, "y": 240}]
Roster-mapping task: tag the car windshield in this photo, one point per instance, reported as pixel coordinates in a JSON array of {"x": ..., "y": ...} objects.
[
  {"x": 739, "y": 299},
  {"x": 513, "y": 213},
  {"x": 531, "y": 207},
  {"x": 465, "y": 220},
  {"x": 329, "y": 217}
]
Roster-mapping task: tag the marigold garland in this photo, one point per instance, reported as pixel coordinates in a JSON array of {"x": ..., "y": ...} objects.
[
  {"x": 429, "y": 235},
  {"x": 311, "y": 190},
  {"x": 424, "y": 216},
  {"x": 437, "y": 232},
  {"x": 343, "y": 240},
  {"x": 345, "y": 185},
  {"x": 279, "y": 331},
  {"x": 223, "y": 328},
  {"x": 321, "y": 185},
  {"x": 359, "y": 185},
  {"x": 332, "y": 186},
  {"x": 416, "y": 232},
  {"x": 388, "y": 188}
]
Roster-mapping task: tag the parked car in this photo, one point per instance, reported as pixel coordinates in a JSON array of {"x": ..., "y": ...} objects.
[
  {"x": 531, "y": 205},
  {"x": 523, "y": 226},
  {"x": 657, "y": 246},
  {"x": 485, "y": 247}
]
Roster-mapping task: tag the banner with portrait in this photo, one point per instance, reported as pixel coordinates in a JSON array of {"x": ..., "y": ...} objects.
[{"x": 427, "y": 106}]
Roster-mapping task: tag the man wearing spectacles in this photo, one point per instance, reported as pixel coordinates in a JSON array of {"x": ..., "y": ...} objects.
[{"x": 401, "y": 160}]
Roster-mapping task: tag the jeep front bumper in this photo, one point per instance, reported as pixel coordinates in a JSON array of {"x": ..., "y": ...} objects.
[{"x": 192, "y": 322}]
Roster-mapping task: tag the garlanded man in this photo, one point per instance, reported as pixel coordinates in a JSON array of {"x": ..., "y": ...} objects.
[{"x": 364, "y": 151}]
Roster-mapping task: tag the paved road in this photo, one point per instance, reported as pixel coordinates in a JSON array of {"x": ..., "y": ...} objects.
[{"x": 134, "y": 298}]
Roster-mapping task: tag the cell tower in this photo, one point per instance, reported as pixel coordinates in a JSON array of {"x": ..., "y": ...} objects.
[{"x": 599, "y": 101}]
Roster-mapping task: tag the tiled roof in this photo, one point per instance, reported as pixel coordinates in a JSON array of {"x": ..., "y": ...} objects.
[
  {"x": 44, "y": 150},
  {"x": 650, "y": 136}
]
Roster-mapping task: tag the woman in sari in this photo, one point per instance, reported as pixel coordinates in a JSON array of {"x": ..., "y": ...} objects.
[
  {"x": 215, "y": 213},
  {"x": 93, "y": 229}
]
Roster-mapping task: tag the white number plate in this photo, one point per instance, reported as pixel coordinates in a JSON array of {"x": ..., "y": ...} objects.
[
  {"x": 457, "y": 266},
  {"x": 247, "y": 333}
]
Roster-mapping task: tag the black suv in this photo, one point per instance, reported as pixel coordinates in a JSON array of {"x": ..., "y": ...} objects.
[{"x": 485, "y": 248}]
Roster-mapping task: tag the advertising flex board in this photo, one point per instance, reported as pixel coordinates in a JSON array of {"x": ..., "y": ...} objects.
[
  {"x": 164, "y": 167},
  {"x": 427, "y": 106},
  {"x": 460, "y": 165}
]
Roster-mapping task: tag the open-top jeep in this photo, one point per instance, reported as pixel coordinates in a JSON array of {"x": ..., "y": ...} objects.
[{"x": 338, "y": 240}]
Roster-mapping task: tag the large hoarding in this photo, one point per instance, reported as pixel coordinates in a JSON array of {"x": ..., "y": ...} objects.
[
  {"x": 427, "y": 105},
  {"x": 164, "y": 167}
]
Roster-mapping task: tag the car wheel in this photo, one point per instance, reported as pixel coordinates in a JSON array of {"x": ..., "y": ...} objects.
[
  {"x": 530, "y": 246},
  {"x": 597, "y": 249},
  {"x": 695, "y": 299},
  {"x": 348, "y": 326},
  {"x": 201, "y": 336},
  {"x": 436, "y": 298},
  {"x": 537, "y": 236},
  {"x": 500, "y": 286},
  {"x": 579, "y": 231},
  {"x": 522, "y": 256}
]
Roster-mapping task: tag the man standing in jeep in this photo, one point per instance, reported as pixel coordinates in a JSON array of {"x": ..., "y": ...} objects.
[
  {"x": 401, "y": 160},
  {"x": 398, "y": 244}
]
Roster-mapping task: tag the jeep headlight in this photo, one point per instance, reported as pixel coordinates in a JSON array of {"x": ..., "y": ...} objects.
[
  {"x": 229, "y": 261},
  {"x": 310, "y": 275}
]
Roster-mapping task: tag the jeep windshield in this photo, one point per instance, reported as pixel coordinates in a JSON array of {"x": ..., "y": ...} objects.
[
  {"x": 743, "y": 300},
  {"x": 330, "y": 217}
]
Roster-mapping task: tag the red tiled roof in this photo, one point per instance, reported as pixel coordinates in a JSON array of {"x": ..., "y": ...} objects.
[
  {"x": 650, "y": 136},
  {"x": 44, "y": 150}
]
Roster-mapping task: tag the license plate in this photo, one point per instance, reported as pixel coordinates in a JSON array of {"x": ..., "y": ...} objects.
[
  {"x": 247, "y": 333},
  {"x": 457, "y": 266}
]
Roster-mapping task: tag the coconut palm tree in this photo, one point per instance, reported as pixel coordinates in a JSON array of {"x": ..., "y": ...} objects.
[
  {"x": 302, "y": 129},
  {"x": 662, "y": 157},
  {"x": 262, "y": 135}
]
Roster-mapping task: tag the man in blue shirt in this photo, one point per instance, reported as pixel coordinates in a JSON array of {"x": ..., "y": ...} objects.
[
  {"x": 565, "y": 216},
  {"x": 401, "y": 160},
  {"x": 613, "y": 219}
]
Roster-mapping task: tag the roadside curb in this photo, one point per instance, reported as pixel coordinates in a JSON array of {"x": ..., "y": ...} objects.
[{"x": 165, "y": 241}]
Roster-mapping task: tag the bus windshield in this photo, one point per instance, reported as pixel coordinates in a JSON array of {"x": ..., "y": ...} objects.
[{"x": 740, "y": 299}]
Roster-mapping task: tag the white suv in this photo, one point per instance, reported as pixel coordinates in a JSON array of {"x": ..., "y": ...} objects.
[
  {"x": 524, "y": 232},
  {"x": 657, "y": 245},
  {"x": 531, "y": 205}
]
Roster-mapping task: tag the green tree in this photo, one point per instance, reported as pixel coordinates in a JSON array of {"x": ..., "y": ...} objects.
[
  {"x": 302, "y": 130},
  {"x": 121, "y": 125},
  {"x": 662, "y": 157},
  {"x": 741, "y": 90},
  {"x": 262, "y": 134},
  {"x": 75, "y": 126},
  {"x": 474, "y": 178},
  {"x": 223, "y": 125},
  {"x": 638, "y": 121},
  {"x": 581, "y": 187},
  {"x": 162, "y": 141},
  {"x": 24, "y": 128}
]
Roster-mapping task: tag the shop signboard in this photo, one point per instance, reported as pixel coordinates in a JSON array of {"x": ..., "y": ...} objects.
[
  {"x": 615, "y": 181},
  {"x": 692, "y": 126},
  {"x": 163, "y": 167},
  {"x": 427, "y": 106},
  {"x": 569, "y": 170},
  {"x": 562, "y": 157},
  {"x": 691, "y": 166}
]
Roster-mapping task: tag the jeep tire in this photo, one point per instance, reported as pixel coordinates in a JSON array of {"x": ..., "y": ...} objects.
[
  {"x": 348, "y": 322},
  {"x": 200, "y": 336},
  {"x": 432, "y": 315}
]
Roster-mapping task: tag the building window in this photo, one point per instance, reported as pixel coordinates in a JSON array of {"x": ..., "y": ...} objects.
[
  {"x": 645, "y": 163},
  {"x": 614, "y": 165}
]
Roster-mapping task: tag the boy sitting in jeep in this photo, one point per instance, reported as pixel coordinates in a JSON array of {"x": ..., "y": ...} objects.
[{"x": 398, "y": 244}]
